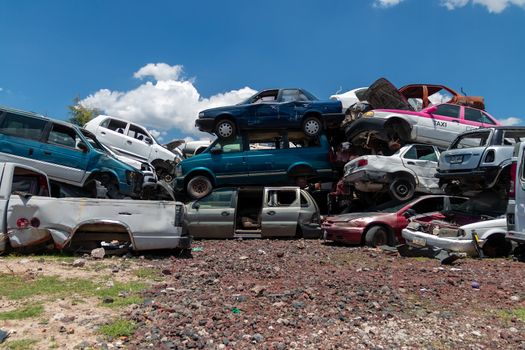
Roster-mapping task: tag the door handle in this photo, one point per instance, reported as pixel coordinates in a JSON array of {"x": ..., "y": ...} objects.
[
  {"x": 47, "y": 153},
  {"x": 129, "y": 142},
  {"x": 271, "y": 212},
  {"x": 411, "y": 163},
  {"x": 225, "y": 213},
  {"x": 103, "y": 132}
]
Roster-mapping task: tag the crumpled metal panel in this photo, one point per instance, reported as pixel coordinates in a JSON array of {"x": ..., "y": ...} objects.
[{"x": 151, "y": 224}]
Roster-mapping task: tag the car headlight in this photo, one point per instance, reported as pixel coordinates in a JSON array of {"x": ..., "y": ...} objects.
[
  {"x": 178, "y": 170},
  {"x": 201, "y": 114},
  {"x": 368, "y": 114}
]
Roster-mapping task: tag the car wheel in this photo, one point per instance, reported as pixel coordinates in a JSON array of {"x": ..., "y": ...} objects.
[
  {"x": 376, "y": 236},
  {"x": 225, "y": 129},
  {"x": 312, "y": 126},
  {"x": 402, "y": 188},
  {"x": 496, "y": 247},
  {"x": 199, "y": 186}
]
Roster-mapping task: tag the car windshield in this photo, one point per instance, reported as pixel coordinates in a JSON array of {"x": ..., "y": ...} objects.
[
  {"x": 391, "y": 206},
  {"x": 482, "y": 204},
  {"x": 310, "y": 96},
  {"x": 476, "y": 139},
  {"x": 93, "y": 140}
]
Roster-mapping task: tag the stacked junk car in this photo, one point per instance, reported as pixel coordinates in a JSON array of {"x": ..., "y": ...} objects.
[{"x": 422, "y": 170}]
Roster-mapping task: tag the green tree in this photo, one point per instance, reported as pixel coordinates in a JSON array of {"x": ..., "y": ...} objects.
[{"x": 80, "y": 114}]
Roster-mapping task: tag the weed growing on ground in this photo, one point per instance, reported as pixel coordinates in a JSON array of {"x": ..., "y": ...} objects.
[
  {"x": 21, "y": 313},
  {"x": 118, "y": 328}
]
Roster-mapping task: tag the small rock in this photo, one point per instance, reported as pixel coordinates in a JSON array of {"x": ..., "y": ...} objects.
[
  {"x": 166, "y": 272},
  {"x": 243, "y": 257},
  {"x": 98, "y": 253},
  {"x": 258, "y": 290},
  {"x": 79, "y": 262},
  {"x": 475, "y": 285},
  {"x": 257, "y": 337},
  {"x": 24, "y": 261},
  {"x": 280, "y": 254},
  {"x": 515, "y": 298},
  {"x": 297, "y": 304},
  {"x": 107, "y": 300}
]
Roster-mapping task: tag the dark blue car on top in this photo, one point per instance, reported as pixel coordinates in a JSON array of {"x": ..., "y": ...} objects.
[{"x": 273, "y": 109}]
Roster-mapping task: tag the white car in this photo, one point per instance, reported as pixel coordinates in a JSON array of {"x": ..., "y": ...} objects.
[
  {"x": 350, "y": 97},
  {"x": 134, "y": 140},
  {"x": 411, "y": 169}
]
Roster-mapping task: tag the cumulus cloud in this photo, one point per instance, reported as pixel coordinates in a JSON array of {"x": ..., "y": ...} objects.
[
  {"x": 166, "y": 101},
  {"x": 386, "y": 3},
  {"x": 1, "y": 89},
  {"x": 493, "y": 6},
  {"x": 510, "y": 121}
]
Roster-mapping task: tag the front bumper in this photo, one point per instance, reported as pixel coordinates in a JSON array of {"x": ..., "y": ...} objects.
[
  {"x": 342, "y": 234},
  {"x": 205, "y": 124},
  {"x": 422, "y": 239}
]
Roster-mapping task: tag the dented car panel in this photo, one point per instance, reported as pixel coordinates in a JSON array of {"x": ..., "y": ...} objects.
[{"x": 374, "y": 173}]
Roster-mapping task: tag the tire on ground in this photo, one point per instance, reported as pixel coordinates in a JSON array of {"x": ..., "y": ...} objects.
[
  {"x": 377, "y": 236},
  {"x": 199, "y": 186},
  {"x": 497, "y": 246}
]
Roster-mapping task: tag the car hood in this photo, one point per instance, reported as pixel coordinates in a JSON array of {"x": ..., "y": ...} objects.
[
  {"x": 383, "y": 94},
  {"x": 217, "y": 110},
  {"x": 354, "y": 216}
]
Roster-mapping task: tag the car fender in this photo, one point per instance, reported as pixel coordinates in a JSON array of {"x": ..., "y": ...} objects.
[
  {"x": 301, "y": 165},
  {"x": 403, "y": 171},
  {"x": 493, "y": 231}
]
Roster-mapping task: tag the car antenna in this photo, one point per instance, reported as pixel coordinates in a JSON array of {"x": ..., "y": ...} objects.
[{"x": 463, "y": 92}]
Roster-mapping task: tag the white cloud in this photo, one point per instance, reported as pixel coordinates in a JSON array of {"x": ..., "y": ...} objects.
[
  {"x": 493, "y": 6},
  {"x": 167, "y": 102},
  {"x": 1, "y": 89},
  {"x": 386, "y": 3},
  {"x": 510, "y": 121}
]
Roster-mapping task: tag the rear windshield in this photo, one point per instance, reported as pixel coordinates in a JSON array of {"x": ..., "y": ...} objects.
[
  {"x": 477, "y": 139},
  {"x": 511, "y": 137}
]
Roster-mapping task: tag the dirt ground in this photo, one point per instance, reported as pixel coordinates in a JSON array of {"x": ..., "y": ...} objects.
[{"x": 278, "y": 294}]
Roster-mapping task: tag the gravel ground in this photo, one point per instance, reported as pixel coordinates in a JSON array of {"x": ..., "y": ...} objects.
[{"x": 285, "y": 294}]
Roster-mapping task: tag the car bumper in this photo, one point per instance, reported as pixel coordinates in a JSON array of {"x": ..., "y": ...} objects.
[
  {"x": 484, "y": 176},
  {"x": 422, "y": 239},
  {"x": 368, "y": 181},
  {"x": 311, "y": 231},
  {"x": 347, "y": 235},
  {"x": 205, "y": 124}
]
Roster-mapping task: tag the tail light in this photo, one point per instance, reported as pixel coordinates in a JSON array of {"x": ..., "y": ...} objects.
[
  {"x": 23, "y": 223},
  {"x": 362, "y": 162},
  {"x": 512, "y": 187}
]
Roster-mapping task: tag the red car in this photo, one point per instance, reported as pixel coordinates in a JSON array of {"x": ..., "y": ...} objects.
[{"x": 384, "y": 225}]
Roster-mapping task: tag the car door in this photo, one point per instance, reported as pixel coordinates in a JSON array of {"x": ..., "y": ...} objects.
[
  {"x": 280, "y": 212},
  {"x": 111, "y": 132},
  {"x": 227, "y": 161},
  {"x": 446, "y": 121},
  {"x": 292, "y": 107},
  {"x": 135, "y": 142},
  {"x": 63, "y": 158},
  {"x": 474, "y": 119},
  {"x": 214, "y": 215},
  {"x": 20, "y": 137},
  {"x": 263, "y": 110},
  {"x": 422, "y": 160}
]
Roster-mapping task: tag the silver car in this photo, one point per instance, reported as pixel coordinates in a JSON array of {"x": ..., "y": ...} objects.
[{"x": 254, "y": 212}]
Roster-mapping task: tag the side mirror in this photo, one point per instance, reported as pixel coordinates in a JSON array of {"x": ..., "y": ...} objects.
[
  {"x": 148, "y": 140},
  {"x": 216, "y": 151},
  {"x": 82, "y": 146},
  {"x": 196, "y": 205},
  {"x": 432, "y": 110}
]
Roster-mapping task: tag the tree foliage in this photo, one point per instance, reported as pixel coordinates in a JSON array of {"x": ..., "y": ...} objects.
[{"x": 80, "y": 114}]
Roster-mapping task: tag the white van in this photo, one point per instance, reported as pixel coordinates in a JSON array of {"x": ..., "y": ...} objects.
[{"x": 516, "y": 206}]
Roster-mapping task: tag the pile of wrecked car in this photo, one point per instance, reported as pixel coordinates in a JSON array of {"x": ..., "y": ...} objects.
[{"x": 422, "y": 167}]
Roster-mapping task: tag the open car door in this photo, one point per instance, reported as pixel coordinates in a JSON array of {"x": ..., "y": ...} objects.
[{"x": 280, "y": 211}]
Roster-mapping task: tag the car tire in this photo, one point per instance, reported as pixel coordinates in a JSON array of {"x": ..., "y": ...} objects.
[
  {"x": 225, "y": 129},
  {"x": 312, "y": 126},
  {"x": 496, "y": 247},
  {"x": 402, "y": 188},
  {"x": 376, "y": 236},
  {"x": 199, "y": 186}
]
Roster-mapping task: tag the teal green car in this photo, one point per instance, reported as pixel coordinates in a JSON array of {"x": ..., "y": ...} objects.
[{"x": 261, "y": 158}]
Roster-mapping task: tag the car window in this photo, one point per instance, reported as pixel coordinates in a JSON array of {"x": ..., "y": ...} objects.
[
  {"x": 105, "y": 123},
  {"x": 487, "y": 119},
  {"x": 265, "y": 96},
  {"x": 304, "y": 202},
  {"x": 137, "y": 132},
  {"x": 448, "y": 110},
  {"x": 428, "y": 205},
  {"x": 64, "y": 136},
  {"x": 420, "y": 152},
  {"x": 474, "y": 115},
  {"x": 221, "y": 198},
  {"x": 265, "y": 141},
  {"x": 477, "y": 139},
  {"x": 22, "y": 126},
  {"x": 281, "y": 198},
  {"x": 297, "y": 139},
  {"x": 511, "y": 137},
  {"x": 25, "y": 180},
  {"x": 228, "y": 146},
  {"x": 92, "y": 140},
  {"x": 117, "y": 125}
]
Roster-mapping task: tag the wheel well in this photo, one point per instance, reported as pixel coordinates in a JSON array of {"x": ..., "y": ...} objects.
[
  {"x": 223, "y": 117},
  {"x": 196, "y": 173},
  {"x": 403, "y": 174},
  {"x": 390, "y": 232},
  {"x": 90, "y": 234},
  {"x": 312, "y": 114},
  {"x": 100, "y": 174},
  {"x": 399, "y": 121},
  {"x": 301, "y": 170}
]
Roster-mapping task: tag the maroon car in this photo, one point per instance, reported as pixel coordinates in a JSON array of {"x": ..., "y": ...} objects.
[{"x": 384, "y": 225}]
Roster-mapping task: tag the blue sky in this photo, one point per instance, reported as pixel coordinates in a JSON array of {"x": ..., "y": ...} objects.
[{"x": 160, "y": 62}]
